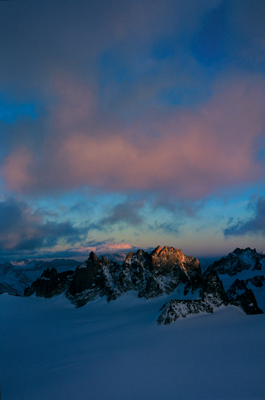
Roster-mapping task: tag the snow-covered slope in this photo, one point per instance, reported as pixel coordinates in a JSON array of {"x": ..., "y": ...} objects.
[
  {"x": 240, "y": 270},
  {"x": 115, "y": 351}
]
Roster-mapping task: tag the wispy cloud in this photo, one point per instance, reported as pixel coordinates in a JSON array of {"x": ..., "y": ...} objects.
[
  {"x": 255, "y": 225},
  {"x": 101, "y": 247},
  {"x": 168, "y": 228},
  {"x": 128, "y": 213}
]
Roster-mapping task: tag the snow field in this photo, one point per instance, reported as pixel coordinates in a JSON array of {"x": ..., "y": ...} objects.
[{"x": 115, "y": 351}]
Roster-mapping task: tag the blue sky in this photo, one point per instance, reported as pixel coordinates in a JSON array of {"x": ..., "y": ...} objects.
[{"x": 128, "y": 124}]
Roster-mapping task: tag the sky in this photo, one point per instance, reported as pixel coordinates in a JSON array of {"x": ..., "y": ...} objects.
[{"x": 131, "y": 124}]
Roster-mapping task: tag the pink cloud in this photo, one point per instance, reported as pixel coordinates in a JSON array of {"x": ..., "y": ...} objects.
[
  {"x": 105, "y": 248},
  {"x": 16, "y": 170},
  {"x": 186, "y": 154}
]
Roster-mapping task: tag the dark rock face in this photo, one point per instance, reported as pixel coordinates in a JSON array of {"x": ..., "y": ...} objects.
[
  {"x": 247, "y": 301},
  {"x": 240, "y": 284},
  {"x": 50, "y": 283},
  {"x": 84, "y": 275},
  {"x": 241, "y": 296},
  {"x": 213, "y": 288}
]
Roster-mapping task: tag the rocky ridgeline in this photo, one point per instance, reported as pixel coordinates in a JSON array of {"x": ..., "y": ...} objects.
[
  {"x": 150, "y": 275},
  {"x": 238, "y": 261},
  {"x": 147, "y": 274}
]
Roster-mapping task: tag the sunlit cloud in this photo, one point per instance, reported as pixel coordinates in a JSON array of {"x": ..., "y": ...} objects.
[
  {"x": 101, "y": 248},
  {"x": 16, "y": 169},
  {"x": 193, "y": 153}
]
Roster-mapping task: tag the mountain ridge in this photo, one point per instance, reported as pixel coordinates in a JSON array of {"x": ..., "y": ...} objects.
[
  {"x": 164, "y": 271},
  {"x": 236, "y": 279}
]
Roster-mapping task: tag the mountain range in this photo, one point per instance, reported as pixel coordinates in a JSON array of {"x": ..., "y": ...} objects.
[{"x": 237, "y": 279}]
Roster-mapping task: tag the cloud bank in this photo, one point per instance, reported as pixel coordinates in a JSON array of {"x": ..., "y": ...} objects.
[
  {"x": 129, "y": 116},
  {"x": 185, "y": 154},
  {"x": 24, "y": 229}
]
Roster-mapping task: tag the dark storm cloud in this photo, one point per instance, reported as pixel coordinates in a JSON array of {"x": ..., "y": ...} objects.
[
  {"x": 254, "y": 225},
  {"x": 22, "y": 228}
]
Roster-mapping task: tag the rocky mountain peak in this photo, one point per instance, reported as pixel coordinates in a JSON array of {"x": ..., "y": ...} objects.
[
  {"x": 104, "y": 260},
  {"x": 239, "y": 251},
  {"x": 168, "y": 257},
  {"x": 156, "y": 251},
  {"x": 140, "y": 256},
  {"x": 93, "y": 258},
  {"x": 238, "y": 261}
]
